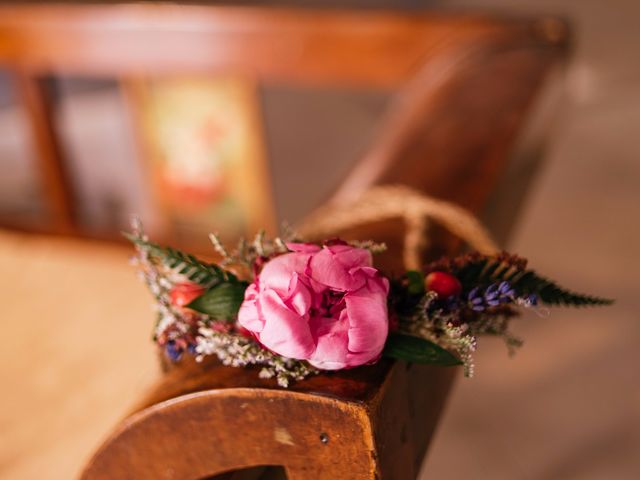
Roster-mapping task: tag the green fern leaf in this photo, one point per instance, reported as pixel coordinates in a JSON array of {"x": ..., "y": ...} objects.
[
  {"x": 484, "y": 271},
  {"x": 196, "y": 270},
  {"x": 551, "y": 293}
]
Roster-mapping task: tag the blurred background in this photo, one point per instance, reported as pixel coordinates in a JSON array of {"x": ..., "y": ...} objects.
[{"x": 86, "y": 142}]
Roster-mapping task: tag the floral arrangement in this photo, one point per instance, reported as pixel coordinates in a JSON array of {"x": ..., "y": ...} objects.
[{"x": 296, "y": 309}]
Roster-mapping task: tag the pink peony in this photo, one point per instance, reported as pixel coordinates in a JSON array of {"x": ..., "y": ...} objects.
[{"x": 327, "y": 305}]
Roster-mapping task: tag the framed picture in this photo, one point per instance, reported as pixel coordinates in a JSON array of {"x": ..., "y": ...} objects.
[{"x": 205, "y": 157}]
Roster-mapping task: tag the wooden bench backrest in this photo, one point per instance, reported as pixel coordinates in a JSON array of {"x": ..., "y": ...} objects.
[{"x": 462, "y": 83}]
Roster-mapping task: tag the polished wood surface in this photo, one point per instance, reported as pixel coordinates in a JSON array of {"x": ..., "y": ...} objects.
[
  {"x": 450, "y": 130},
  {"x": 337, "y": 47},
  {"x": 348, "y": 425}
]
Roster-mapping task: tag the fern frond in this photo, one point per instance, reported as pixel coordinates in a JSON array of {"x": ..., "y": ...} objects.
[
  {"x": 484, "y": 271},
  {"x": 196, "y": 270},
  {"x": 551, "y": 293}
]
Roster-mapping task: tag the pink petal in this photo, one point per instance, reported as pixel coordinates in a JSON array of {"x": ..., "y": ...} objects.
[
  {"x": 248, "y": 315},
  {"x": 376, "y": 283},
  {"x": 368, "y": 320},
  {"x": 284, "y": 332},
  {"x": 331, "y": 351},
  {"x": 277, "y": 272},
  {"x": 326, "y": 270},
  {"x": 299, "y": 298},
  {"x": 350, "y": 257},
  {"x": 317, "y": 289},
  {"x": 302, "y": 247}
]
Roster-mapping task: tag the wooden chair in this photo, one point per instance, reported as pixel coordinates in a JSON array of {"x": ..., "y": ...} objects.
[{"x": 464, "y": 83}]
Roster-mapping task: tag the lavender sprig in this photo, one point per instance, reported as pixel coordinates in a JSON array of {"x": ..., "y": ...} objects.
[{"x": 497, "y": 294}]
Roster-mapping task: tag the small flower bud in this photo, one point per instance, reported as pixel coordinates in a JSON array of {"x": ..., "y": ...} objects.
[{"x": 182, "y": 294}]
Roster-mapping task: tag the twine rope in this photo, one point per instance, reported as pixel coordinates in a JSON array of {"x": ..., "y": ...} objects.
[{"x": 398, "y": 201}]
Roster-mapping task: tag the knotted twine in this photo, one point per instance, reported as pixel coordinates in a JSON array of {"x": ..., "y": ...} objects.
[{"x": 397, "y": 201}]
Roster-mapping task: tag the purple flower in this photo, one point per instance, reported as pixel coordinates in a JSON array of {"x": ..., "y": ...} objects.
[
  {"x": 494, "y": 295},
  {"x": 476, "y": 300},
  {"x": 173, "y": 351}
]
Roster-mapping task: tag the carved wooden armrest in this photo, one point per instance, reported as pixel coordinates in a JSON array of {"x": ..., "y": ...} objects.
[{"x": 206, "y": 419}]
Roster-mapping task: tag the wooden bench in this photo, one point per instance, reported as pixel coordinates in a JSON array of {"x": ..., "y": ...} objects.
[{"x": 464, "y": 86}]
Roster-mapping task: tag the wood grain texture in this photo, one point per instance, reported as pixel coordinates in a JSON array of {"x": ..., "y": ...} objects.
[
  {"x": 210, "y": 419},
  {"x": 340, "y": 47},
  {"x": 221, "y": 430},
  {"x": 449, "y": 131}
]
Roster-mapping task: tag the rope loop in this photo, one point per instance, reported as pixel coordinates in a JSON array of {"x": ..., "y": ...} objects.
[{"x": 398, "y": 201}]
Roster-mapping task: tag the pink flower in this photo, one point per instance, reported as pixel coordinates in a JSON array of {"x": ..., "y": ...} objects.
[{"x": 327, "y": 305}]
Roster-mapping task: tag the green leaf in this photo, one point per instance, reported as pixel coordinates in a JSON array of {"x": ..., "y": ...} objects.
[
  {"x": 418, "y": 350},
  {"x": 416, "y": 282},
  {"x": 221, "y": 302},
  {"x": 196, "y": 270}
]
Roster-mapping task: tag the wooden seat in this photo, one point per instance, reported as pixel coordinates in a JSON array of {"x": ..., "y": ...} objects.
[{"x": 464, "y": 85}]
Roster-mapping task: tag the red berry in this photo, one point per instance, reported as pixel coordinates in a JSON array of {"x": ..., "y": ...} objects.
[
  {"x": 444, "y": 284},
  {"x": 182, "y": 294}
]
